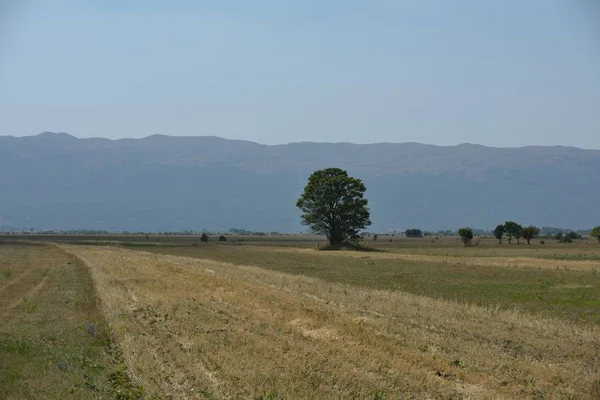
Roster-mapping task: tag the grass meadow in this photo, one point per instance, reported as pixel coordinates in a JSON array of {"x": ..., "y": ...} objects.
[{"x": 277, "y": 318}]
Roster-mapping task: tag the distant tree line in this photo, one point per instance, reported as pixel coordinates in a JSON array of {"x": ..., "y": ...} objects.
[{"x": 413, "y": 233}]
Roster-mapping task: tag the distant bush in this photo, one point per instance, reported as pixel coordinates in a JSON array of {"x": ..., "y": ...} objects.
[
  {"x": 413, "y": 233},
  {"x": 566, "y": 239},
  {"x": 204, "y": 238},
  {"x": 542, "y": 242},
  {"x": 222, "y": 238},
  {"x": 466, "y": 235},
  {"x": 559, "y": 236},
  {"x": 574, "y": 235}
]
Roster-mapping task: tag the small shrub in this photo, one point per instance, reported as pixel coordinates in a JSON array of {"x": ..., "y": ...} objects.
[
  {"x": 123, "y": 388},
  {"x": 28, "y": 306},
  {"x": 542, "y": 242},
  {"x": 222, "y": 238},
  {"x": 566, "y": 239},
  {"x": 204, "y": 238},
  {"x": 7, "y": 273}
]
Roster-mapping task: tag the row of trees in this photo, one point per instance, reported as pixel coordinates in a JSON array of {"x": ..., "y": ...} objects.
[
  {"x": 511, "y": 230},
  {"x": 333, "y": 205}
]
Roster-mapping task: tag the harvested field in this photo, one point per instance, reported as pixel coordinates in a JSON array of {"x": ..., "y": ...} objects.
[
  {"x": 53, "y": 340},
  {"x": 200, "y": 328}
]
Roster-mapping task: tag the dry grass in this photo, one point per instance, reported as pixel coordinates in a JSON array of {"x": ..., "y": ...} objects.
[
  {"x": 206, "y": 329},
  {"x": 568, "y": 293}
]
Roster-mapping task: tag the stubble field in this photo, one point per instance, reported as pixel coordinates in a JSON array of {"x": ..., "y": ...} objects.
[{"x": 277, "y": 320}]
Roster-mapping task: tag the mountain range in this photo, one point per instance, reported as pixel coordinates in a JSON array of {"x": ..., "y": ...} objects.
[{"x": 164, "y": 183}]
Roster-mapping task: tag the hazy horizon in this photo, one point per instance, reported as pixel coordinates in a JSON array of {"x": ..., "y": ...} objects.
[
  {"x": 507, "y": 74},
  {"x": 294, "y": 142}
]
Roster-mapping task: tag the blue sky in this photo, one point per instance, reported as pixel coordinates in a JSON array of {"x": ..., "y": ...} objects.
[{"x": 502, "y": 73}]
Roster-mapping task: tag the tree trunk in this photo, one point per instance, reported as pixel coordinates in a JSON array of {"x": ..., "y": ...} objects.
[
  {"x": 500, "y": 240},
  {"x": 528, "y": 240},
  {"x": 336, "y": 238},
  {"x": 509, "y": 240}
]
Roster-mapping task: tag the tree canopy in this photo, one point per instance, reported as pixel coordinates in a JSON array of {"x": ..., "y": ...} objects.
[
  {"x": 596, "y": 233},
  {"x": 512, "y": 230},
  {"x": 466, "y": 235},
  {"x": 499, "y": 232},
  {"x": 333, "y": 204},
  {"x": 413, "y": 233},
  {"x": 530, "y": 232}
]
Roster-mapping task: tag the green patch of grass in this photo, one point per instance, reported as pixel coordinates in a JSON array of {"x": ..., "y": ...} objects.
[
  {"x": 152, "y": 244},
  {"x": 28, "y": 305},
  {"x": 123, "y": 388},
  {"x": 55, "y": 345},
  {"x": 7, "y": 273},
  {"x": 570, "y": 256}
]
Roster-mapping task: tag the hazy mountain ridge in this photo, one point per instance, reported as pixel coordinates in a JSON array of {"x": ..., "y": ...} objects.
[{"x": 162, "y": 183}]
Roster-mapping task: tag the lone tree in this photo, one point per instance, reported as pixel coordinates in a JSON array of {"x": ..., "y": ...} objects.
[
  {"x": 204, "y": 238},
  {"x": 499, "y": 232},
  {"x": 530, "y": 232},
  {"x": 512, "y": 230},
  {"x": 596, "y": 233},
  {"x": 466, "y": 235},
  {"x": 333, "y": 205}
]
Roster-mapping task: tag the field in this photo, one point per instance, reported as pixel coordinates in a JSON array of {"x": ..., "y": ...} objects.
[
  {"x": 53, "y": 339},
  {"x": 277, "y": 318}
]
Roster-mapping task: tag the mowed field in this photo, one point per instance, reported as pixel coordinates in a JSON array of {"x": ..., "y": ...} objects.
[
  {"x": 54, "y": 342},
  {"x": 274, "y": 319}
]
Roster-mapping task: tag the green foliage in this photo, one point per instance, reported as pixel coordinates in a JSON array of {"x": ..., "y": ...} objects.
[
  {"x": 566, "y": 239},
  {"x": 512, "y": 230},
  {"x": 204, "y": 238},
  {"x": 466, "y": 235},
  {"x": 530, "y": 232},
  {"x": 499, "y": 232},
  {"x": 28, "y": 306},
  {"x": 222, "y": 238},
  {"x": 596, "y": 233},
  {"x": 267, "y": 396},
  {"x": 379, "y": 395},
  {"x": 574, "y": 235},
  {"x": 333, "y": 204},
  {"x": 123, "y": 388},
  {"x": 413, "y": 233}
]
